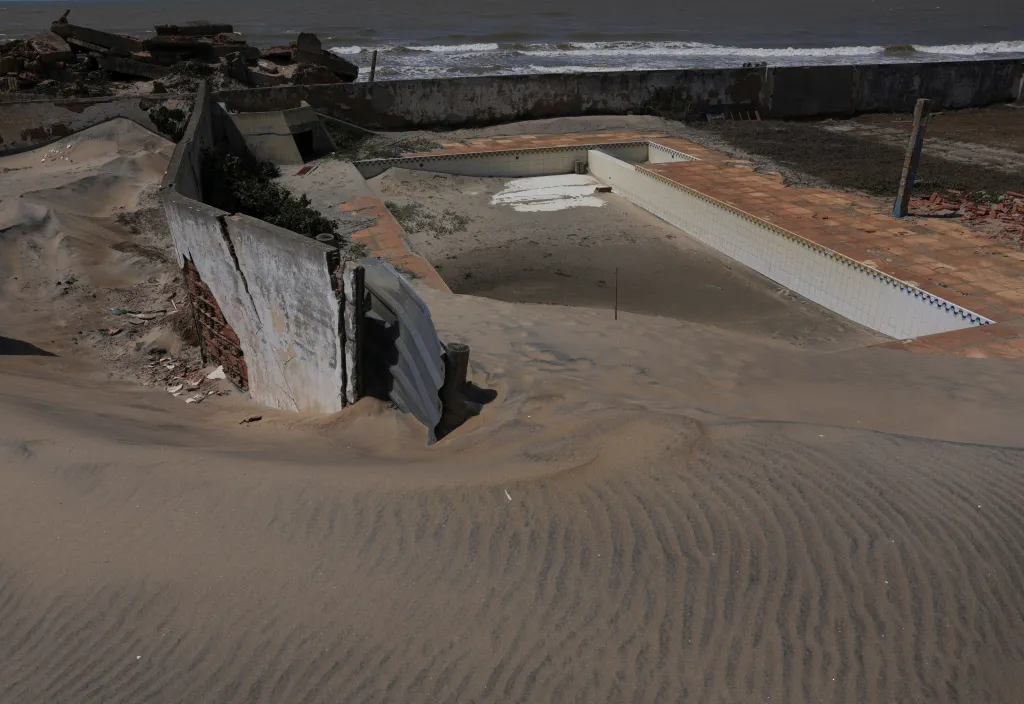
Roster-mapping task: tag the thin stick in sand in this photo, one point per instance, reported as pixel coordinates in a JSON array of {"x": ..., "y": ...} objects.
[{"x": 616, "y": 293}]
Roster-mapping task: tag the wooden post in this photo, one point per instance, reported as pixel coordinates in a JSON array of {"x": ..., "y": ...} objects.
[
  {"x": 913, "y": 158},
  {"x": 373, "y": 66},
  {"x": 456, "y": 369},
  {"x": 455, "y": 407},
  {"x": 616, "y": 293}
]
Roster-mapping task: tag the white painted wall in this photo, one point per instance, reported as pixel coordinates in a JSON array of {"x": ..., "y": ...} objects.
[
  {"x": 278, "y": 300},
  {"x": 854, "y": 291},
  {"x": 659, "y": 154},
  {"x": 507, "y": 164},
  {"x": 298, "y": 317}
]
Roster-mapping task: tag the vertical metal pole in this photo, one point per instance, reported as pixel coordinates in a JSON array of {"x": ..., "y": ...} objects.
[
  {"x": 913, "y": 158},
  {"x": 616, "y": 293},
  {"x": 373, "y": 65}
]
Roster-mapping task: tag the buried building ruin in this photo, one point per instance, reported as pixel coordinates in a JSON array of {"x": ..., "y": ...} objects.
[{"x": 290, "y": 316}]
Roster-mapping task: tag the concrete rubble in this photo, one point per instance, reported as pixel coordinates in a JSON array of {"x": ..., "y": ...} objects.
[{"x": 72, "y": 60}]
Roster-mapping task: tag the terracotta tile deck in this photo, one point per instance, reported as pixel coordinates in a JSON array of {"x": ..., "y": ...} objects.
[
  {"x": 491, "y": 144},
  {"x": 938, "y": 256},
  {"x": 386, "y": 239}
]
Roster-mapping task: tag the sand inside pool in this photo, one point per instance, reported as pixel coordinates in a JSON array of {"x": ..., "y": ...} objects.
[{"x": 481, "y": 244}]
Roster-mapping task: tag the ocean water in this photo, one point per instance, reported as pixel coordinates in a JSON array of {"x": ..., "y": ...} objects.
[{"x": 441, "y": 38}]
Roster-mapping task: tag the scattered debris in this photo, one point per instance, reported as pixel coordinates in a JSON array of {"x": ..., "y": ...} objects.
[
  {"x": 309, "y": 51},
  {"x": 70, "y": 60},
  {"x": 148, "y": 316},
  {"x": 200, "y": 397},
  {"x": 1002, "y": 217},
  {"x": 181, "y": 376},
  {"x": 251, "y": 419},
  {"x": 114, "y": 331},
  {"x": 50, "y": 48},
  {"x": 217, "y": 373}
]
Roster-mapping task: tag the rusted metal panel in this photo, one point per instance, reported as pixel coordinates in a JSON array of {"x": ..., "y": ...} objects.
[{"x": 418, "y": 371}]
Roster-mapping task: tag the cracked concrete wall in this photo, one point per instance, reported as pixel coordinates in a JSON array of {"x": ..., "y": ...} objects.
[
  {"x": 198, "y": 233},
  {"x": 275, "y": 289},
  {"x": 299, "y": 361}
]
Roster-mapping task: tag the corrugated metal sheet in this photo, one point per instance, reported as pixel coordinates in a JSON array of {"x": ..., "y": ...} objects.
[{"x": 419, "y": 371}]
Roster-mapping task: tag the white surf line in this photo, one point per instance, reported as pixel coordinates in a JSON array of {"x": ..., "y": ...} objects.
[{"x": 549, "y": 193}]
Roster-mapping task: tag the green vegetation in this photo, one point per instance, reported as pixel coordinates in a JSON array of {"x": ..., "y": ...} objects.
[
  {"x": 414, "y": 217},
  {"x": 358, "y": 250},
  {"x": 233, "y": 185},
  {"x": 352, "y": 144},
  {"x": 169, "y": 122}
]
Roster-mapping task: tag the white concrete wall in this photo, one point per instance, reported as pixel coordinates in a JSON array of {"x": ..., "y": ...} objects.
[
  {"x": 298, "y": 314},
  {"x": 278, "y": 300},
  {"x": 268, "y": 136},
  {"x": 274, "y": 287},
  {"x": 848, "y": 288},
  {"x": 197, "y": 231},
  {"x": 659, "y": 154},
  {"x": 518, "y": 163}
]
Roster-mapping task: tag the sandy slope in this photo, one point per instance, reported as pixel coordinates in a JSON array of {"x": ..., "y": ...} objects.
[
  {"x": 652, "y": 510},
  {"x": 82, "y": 232}
]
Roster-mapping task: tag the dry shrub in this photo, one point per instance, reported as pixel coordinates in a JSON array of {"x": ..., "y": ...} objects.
[{"x": 183, "y": 323}]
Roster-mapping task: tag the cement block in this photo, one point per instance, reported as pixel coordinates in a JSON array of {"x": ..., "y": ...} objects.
[
  {"x": 114, "y": 43},
  {"x": 51, "y": 48}
]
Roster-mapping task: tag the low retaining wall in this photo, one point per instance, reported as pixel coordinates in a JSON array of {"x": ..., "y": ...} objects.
[
  {"x": 783, "y": 92},
  {"x": 849, "y": 288},
  {"x": 511, "y": 163},
  {"x": 34, "y": 123}
]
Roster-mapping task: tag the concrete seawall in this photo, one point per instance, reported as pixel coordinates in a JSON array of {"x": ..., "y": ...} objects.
[{"x": 784, "y": 92}]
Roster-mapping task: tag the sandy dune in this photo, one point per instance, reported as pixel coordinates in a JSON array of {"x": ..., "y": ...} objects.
[
  {"x": 653, "y": 510},
  {"x": 82, "y": 231}
]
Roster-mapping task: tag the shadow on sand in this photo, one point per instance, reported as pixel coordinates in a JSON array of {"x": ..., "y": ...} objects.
[{"x": 9, "y": 346}]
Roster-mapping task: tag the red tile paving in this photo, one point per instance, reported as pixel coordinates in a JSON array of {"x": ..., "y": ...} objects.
[
  {"x": 1002, "y": 340},
  {"x": 544, "y": 141},
  {"x": 386, "y": 240},
  {"x": 937, "y": 255}
]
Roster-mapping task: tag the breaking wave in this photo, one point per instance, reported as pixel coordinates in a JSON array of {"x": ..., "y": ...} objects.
[{"x": 408, "y": 60}]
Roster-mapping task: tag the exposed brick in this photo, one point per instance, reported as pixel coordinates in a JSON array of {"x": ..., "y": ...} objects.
[{"x": 220, "y": 343}]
